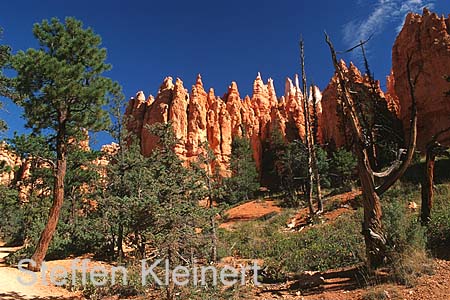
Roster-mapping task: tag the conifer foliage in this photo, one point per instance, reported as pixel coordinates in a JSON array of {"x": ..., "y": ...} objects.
[
  {"x": 5, "y": 82},
  {"x": 62, "y": 89},
  {"x": 244, "y": 180}
]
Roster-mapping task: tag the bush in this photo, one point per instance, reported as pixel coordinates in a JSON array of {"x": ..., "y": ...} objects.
[
  {"x": 381, "y": 293},
  {"x": 134, "y": 288},
  {"x": 407, "y": 257},
  {"x": 318, "y": 248},
  {"x": 438, "y": 232},
  {"x": 342, "y": 168}
]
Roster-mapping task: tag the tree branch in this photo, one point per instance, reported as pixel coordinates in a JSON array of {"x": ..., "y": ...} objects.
[
  {"x": 390, "y": 180},
  {"x": 395, "y": 165}
]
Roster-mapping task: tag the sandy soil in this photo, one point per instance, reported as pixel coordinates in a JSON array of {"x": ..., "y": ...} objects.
[{"x": 11, "y": 288}]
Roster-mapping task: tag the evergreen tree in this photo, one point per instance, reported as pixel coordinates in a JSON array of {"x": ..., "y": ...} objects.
[
  {"x": 343, "y": 166},
  {"x": 244, "y": 180},
  {"x": 210, "y": 174},
  {"x": 62, "y": 90},
  {"x": 177, "y": 190},
  {"x": 292, "y": 170},
  {"x": 5, "y": 82}
]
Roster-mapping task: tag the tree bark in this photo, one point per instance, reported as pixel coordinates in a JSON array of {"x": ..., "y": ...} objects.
[
  {"x": 314, "y": 141},
  {"x": 309, "y": 171},
  {"x": 214, "y": 240},
  {"x": 372, "y": 226},
  {"x": 120, "y": 242},
  {"x": 58, "y": 198},
  {"x": 427, "y": 186}
]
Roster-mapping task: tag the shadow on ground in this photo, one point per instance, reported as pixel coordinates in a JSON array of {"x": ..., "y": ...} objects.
[
  {"x": 330, "y": 281},
  {"x": 14, "y": 296}
]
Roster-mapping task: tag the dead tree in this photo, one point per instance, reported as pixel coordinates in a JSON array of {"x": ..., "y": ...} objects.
[
  {"x": 433, "y": 149},
  {"x": 309, "y": 147},
  {"x": 314, "y": 142},
  {"x": 374, "y": 235}
]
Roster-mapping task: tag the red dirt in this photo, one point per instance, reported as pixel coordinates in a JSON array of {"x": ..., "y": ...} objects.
[
  {"x": 343, "y": 285},
  {"x": 341, "y": 204},
  {"x": 250, "y": 211},
  {"x": 259, "y": 208}
]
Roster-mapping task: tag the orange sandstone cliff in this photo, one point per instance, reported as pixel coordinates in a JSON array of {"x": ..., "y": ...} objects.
[
  {"x": 199, "y": 117},
  {"x": 426, "y": 39}
]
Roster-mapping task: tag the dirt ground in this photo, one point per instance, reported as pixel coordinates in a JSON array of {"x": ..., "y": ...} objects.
[
  {"x": 11, "y": 288},
  {"x": 250, "y": 211},
  {"x": 344, "y": 285}
]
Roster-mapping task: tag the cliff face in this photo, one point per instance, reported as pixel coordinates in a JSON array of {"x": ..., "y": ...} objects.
[
  {"x": 199, "y": 117},
  {"x": 10, "y": 163},
  {"x": 426, "y": 38},
  {"x": 332, "y": 123}
]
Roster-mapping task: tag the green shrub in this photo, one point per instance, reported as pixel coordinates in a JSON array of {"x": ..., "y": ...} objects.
[
  {"x": 438, "y": 232},
  {"x": 342, "y": 168},
  {"x": 320, "y": 248},
  {"x": 407, "y": 256}
]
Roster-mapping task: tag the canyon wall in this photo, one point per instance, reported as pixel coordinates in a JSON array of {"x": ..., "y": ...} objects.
[{"x": 199, "y": 116}]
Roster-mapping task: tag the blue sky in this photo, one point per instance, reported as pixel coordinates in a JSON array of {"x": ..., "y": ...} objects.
[{"x": 223, "y": 40}]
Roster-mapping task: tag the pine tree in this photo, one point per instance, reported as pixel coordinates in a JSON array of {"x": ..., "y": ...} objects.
[
  {"x": 243, "y": 182},
  {"x": 62, "y": 90},
  {"x": 5, "y": 82},
  {"x": 177, "y": 190},
  {"x": 292, "y": 169}
]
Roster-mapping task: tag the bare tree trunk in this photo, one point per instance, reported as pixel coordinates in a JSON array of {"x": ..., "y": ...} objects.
[
  {"x": 214, "y": 240},
  {"x": 314, "y": 142},
  {"x": 309, "y": 172},
  {"x": 58, "y": 198},
  {"x": 427, "y": 187},
  {"x": 372, "y": 227},
  {"x": 317, "y": 181},
  {"x": 433, "y": 149}
]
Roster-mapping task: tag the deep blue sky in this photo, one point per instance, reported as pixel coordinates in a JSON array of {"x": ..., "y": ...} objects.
[{"x": 223, "y": 40}]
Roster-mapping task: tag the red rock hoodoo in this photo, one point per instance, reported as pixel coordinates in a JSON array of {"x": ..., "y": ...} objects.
[
  {"x": 426, "y": 39},
  {"x": 198, "y": 117}
]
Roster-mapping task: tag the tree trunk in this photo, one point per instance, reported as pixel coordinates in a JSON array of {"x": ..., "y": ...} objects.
[
  {"x": 314, "y": 142},
  {"x": 427, "y": 186},
  {"x": 170, "y": 289},
  {"x": 317, "y": 180},
  {"x": 309, "y": 172},
  {"x": 58, "y": 199},
  {"x": 372, "y": 227},
  {"x": 214, "y": 240},
  {"x": 120, "y": 242}
]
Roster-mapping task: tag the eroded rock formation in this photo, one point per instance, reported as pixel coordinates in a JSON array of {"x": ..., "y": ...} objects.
[
  {"x": 200, "y": 118},
  {"x": 425, "y": 40},
  {"x": 372, "y": 103}
]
